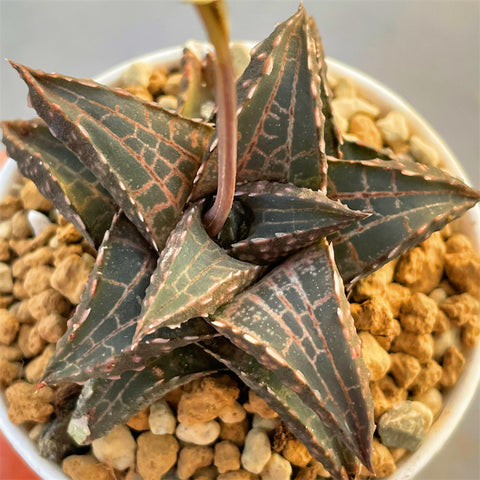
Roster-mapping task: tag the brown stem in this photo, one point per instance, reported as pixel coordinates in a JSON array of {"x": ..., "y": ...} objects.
[{"x": 214, "y": 17}]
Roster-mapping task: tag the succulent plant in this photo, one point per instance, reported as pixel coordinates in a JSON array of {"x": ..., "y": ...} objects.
[{"x": 181, "y": 289}]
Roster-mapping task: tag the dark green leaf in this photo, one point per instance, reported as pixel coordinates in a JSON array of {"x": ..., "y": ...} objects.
[
  {"x": 280, "y": 118},
  {"x": 296, "y": 322},
  {"x": 60, "y": 177},
  {"x": 105, "y": 403},
  {"x": 193, "y": 278},
  {"x": 111, "y": 300},
  {"x": 332, "y": 135},
  {"x": 360, "y": 151},
  {"x": 99, "y": 338},
  {"x": 146, "y": 157},
  {"x": 408, "y": 201},
  {"x": 286, "y": 218},
  {"x": 299, "y": 419}
]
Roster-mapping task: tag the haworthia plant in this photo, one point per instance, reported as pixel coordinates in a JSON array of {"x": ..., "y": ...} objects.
[
  {"x": 61, "y": 176},
  {"x": 104, "y": 403},
  {"x": 289, "y": 334}
]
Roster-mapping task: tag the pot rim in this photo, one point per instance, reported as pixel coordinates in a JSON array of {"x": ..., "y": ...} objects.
[{"x": 455, "y": 402}]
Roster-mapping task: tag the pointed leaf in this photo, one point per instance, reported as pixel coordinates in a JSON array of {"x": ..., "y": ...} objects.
[
  {"x": 105, "y": 403},
  {"x": 360, "y": 151},
  {"x": 193, "y": 278},
  {"x": 112, "y": 299},
  {"x": 99, "y": 337},
  {"x": 332, "y": 135},
  {"x": 285, "y": 219},
  {"x": 296, "y": 322},
  {"x": 280, "y": 118},
  {"x": 299, "y": 418},
  {"x": 146, "y": 157},
  {"x": 61, "y": 177},
  {"x": 408, "y": 202}
]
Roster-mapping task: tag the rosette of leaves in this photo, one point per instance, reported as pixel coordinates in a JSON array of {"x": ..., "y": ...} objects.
[{"x": 262, "y": 292}]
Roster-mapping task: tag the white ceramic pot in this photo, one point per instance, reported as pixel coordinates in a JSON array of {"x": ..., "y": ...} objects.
[{"x": 455, "y": 402}]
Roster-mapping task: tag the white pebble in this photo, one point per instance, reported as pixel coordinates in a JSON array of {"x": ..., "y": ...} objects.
[
  {"x": 267, "y": 424},
  {"x": 277, "y": 468},
  {"x": 443, "y": 341},
  {"x": 438, "y": 295},
  {"x": 233, "y": 413},
  {"x": 37, "y": 221},
  {"x": 423, "y": 152},
  {"x": 347, "y": 107},
  {"x": 345, "y": 88},
  {"x": 6, "y": 229},
  {"x": 199, "y": 433},
  {"x": 256, "y": 452},
  {"x": 116, "y": 449},
  {"x": 240, "y": 56},
  {"x": 161, "y": 419},
  {"x": 394, "y": 128},
  {"x": 138, "y": 74},
  {"x": 432, "y": 399}
]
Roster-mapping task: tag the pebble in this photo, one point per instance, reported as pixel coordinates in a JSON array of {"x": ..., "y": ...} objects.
[
  {"x": 9, "y": 371},
  {"x": 139, "y": 421},
  {"x": 26, "y": 404},
  {"x": 35, "y": 368},
  {"x": 20, "y": 225},
  {"x": 404, "y": 425},
  {"x": 296, "y": 453},
  {"x": 138, "y": 74},
  {"x": 258, "y": 405},
  {"x": 9, "y": 327},
  {"x": 161, "y": 418},
  {"x": 6, "y": 280},
  {"x": 256, "y": 452},
  {"x": 116, "y": 449},
  {"x": 86, "y": 467},
  {"x": 227, "y": 456},
  {"x": 37, "y": 279},
  {"x": 277, "y": 468},
  {"x": 206, "y": 398},
  {"x": 199, "y": 433},
  {"x": 71, "y": 275},
  {"x": 433, "y": 399},
  {"x": 192, "y": 458},
  {"x": 423, "y": 152},
  {"x": 235, "y": 432},
  {"x": 267, "y": 424},
  {"x": 233, "y": 413},
  {"x": 156, "y": 455},
  {"x": 47, "y": 302},
  {"x": 38, "y": 222},
  {"x": 375, "y": 357},
  {"x": 172, "y": 85},
  {"x": 394, "y": 129},
  {"x": 52, "y": 327},
  {"x": 345, "y": 88},
  {"x": 348, "y": 107},
  {"x": 32, "y": 199},
  {"x": 364, "y": 128}
]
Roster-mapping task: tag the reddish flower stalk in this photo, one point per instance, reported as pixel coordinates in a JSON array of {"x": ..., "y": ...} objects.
[{"x": 213, "y": 14}]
